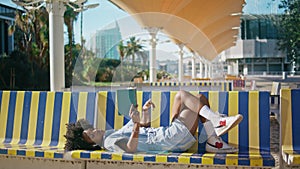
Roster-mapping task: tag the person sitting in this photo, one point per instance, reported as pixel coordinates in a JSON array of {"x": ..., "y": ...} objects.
[{"x": 138, "y": 136}]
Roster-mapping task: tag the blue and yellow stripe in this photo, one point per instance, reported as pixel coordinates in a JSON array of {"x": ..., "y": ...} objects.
[
  {"x": 290, "y": 117},
  {"x": 178, "y": 158},
  {"x": 247, "y": 136},
  {"x": 27, "y": 116},
  {"x": 223, "y": 85},
  {"x": 36, "y": 120}
]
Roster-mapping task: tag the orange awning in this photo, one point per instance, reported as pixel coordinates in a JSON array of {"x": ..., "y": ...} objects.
[{"x": 205, "y": 26}]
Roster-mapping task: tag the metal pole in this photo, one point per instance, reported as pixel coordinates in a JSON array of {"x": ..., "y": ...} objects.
[
  {"x": 81, "y": 27},
  {"x": 56, "y": 11},
  {"x": 201, "y": 69},
  {"x": 193, "y": 67},
  {"x": 210, "y": 71},
  {"x": 180, "y": 63},
  {"x": 205, "y": 70}
]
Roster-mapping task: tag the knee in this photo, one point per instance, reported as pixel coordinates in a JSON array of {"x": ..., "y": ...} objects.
[
  {"x": 203, "y": 100},
  {"x": 178, "y": 95},
  {"x": 181, "y": 94}
]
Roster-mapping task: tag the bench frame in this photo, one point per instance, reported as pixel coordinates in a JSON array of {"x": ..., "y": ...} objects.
[
  {"x": 289, "y": 123},
  {"x": 183, "y": 160}
]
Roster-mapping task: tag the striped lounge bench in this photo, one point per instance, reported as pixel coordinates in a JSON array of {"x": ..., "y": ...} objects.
[
  {"x": 32, "y": 124},
  {"x": 290, "y": 125},
  {"x": 252, "y": 136}
]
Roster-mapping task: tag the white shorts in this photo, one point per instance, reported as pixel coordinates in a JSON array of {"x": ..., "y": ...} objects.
[{"x": 174, "y": 138}]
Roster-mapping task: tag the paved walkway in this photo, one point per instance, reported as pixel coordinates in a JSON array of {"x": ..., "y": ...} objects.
[
  {"x": 265, "y": 82},
  {"x": 275, "y": 140}
]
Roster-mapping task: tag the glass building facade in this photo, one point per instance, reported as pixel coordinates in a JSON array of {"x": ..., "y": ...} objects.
[
  {"x": 259, "y": 27},
  {"x": 7, "y": 15},
  {"x": 107, "y": 42},
  {"x": 256, "y": 51}
]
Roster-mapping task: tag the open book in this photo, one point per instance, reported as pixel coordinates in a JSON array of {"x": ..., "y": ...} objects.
[{"x": 126, "y": 97}]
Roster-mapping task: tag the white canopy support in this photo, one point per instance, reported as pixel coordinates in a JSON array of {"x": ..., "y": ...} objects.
[
  {"x": 152, "y": 67},
  {"x": 56, "y": 11}
]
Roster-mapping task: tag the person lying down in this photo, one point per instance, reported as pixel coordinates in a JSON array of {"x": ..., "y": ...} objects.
[{"x": 138, "y": 136}]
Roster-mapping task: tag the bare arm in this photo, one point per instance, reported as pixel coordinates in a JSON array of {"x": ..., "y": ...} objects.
[
  {"x": 133, "y": 140},
  {"x": 131, "y": 145}
]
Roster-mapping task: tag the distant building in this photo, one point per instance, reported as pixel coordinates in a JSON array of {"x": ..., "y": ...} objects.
[
  {"x": 106, "y": 42},
  {"x": 170, "y": 66},
  {"x": 7, "y": 17},
  {"x": 256, "y": 51}
]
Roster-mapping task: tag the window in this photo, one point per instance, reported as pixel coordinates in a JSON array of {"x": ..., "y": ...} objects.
[
  {"x": 252, "y": 29},
  {"x": 262, "y": 27}
]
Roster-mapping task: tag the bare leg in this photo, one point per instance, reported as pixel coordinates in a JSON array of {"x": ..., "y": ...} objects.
[
  {"x": 186, "y": 107},
  {"x": 146, "y": 117}
]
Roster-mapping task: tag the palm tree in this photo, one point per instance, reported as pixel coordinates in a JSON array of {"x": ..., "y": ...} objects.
[
  {"x": 32, "y": 37},
  {"x": 133, "y": 47},
  {"x": 70, "y": 17},
  {"x": 122, "y": 51}
]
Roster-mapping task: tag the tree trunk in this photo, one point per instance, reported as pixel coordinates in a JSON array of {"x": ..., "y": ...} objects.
[
  {"x": 70, "y": 34},
  {"x": 133, "y": 58}
]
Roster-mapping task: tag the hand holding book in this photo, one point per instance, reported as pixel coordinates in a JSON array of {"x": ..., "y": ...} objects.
[
  {"x": 126, "y": 98},
  {"x": 134, "y": 114}
]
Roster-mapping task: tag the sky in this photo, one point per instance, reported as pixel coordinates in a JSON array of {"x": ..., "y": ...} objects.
[
  {"x": 261, "y": 6},
  {"x": 98, "y": 18}
]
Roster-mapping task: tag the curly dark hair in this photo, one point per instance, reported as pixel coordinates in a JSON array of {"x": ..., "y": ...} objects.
[{"x": 74, "y": 137}]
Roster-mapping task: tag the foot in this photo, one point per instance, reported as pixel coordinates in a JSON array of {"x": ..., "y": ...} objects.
[
  {"x": 226, "y": 123},
  {"x": 217, "y": 145}
]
